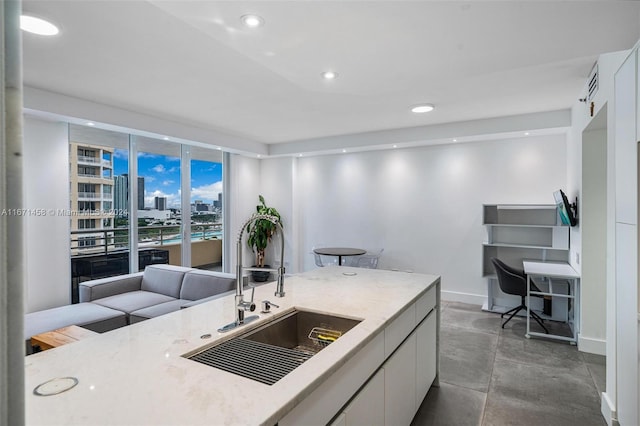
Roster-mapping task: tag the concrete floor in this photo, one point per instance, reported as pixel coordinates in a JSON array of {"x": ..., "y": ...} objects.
[{"x": 494, "y": 376}]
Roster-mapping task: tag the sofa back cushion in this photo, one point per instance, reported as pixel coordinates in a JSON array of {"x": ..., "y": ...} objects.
[
  {"x": 163, "y": 279},
  {"x": 200, "y": 284},
  {"x": 110, "y": 286}
]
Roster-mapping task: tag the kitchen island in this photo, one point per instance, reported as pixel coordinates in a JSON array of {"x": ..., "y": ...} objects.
[{"x": 138, "y": 375}]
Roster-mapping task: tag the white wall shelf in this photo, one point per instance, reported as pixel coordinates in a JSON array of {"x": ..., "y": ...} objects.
[{"x": 516, "y": 232}]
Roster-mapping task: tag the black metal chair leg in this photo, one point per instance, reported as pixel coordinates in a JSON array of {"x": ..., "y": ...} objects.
[{"x": 518, "y": 309}]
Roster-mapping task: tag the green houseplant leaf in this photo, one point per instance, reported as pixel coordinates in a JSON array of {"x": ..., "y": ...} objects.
[{"x": 261, "y": 231}]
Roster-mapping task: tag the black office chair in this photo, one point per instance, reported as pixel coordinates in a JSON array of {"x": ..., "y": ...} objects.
[{"x": 514, "y": 281}]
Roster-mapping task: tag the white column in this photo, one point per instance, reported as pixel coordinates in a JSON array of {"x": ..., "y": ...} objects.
[
  {"x": 12, "y": 346},
  {"x": 185, "y": 203}
]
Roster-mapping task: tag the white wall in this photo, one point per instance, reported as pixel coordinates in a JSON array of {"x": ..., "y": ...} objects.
[
  {"x": 244, "y": 176},
  {"x": 46, "y": 189},
  {"x": 424, "y": 205},
  {"x": 276, "y": 185}
]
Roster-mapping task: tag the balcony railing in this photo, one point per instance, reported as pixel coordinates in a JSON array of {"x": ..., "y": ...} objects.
[
  {"x": 110, "y": 239},
  {"x": 105, "y": 252},
  {"x": 89, "y": 195},
  {"x": 85, "y": 159}
]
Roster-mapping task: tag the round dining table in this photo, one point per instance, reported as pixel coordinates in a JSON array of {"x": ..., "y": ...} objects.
[{"x": 340, "y": 252}]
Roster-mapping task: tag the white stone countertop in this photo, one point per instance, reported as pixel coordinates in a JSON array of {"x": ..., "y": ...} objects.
[{"x": 137, "y": 375}]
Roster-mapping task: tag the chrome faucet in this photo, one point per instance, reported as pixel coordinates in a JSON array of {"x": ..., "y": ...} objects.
[{"x": 241, "y": 305}]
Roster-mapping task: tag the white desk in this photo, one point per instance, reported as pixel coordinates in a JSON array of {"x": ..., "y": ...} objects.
[{"x": 551, "y": 271}]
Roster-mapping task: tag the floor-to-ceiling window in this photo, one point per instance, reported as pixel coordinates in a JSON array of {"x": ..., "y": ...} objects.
[
  {"x": 205, "y": 201},
  {"x": 129, "y": 192},
  {"x": 159, "y": 210},
  {"x": 98, "y": 240}
]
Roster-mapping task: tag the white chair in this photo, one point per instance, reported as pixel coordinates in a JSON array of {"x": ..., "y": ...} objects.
[{"x": 368, "y": 260}]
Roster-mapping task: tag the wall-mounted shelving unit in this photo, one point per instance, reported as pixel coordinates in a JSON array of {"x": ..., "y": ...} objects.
[{"x": 516, "y": 232}]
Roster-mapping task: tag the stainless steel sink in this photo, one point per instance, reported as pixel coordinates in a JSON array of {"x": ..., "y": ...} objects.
[
  {"x": 271, "y": 351},
  {"x": 302, "y": 330}
]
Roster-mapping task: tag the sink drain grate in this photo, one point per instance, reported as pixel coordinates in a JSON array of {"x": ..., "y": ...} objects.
[{"x": 254, "y": 360}]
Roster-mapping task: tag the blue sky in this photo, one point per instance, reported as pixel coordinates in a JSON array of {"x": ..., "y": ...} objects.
[{"x": 162, "y": 177}]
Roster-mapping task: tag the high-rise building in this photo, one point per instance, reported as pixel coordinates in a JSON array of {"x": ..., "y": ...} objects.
[
  {"x": 140, "y": 193},
  {"x": 200, "y": 206},
  {"x": 121, "y": 195},
  {"x": 160, "y": 203},
  {"x": 91, "y": 177}
]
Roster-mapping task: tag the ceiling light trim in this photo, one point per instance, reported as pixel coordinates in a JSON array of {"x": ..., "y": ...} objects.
[
  {"x": 422, "y": 108},
  {"x": 39, "y": 26},
  {"x": 252, "y": 21}
]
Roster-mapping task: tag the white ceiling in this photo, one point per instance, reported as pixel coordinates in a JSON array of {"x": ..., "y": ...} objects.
[{"x": 193, "y": 63}]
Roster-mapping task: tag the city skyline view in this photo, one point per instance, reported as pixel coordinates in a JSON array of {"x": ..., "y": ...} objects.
[{"x": 162, "y": 177}]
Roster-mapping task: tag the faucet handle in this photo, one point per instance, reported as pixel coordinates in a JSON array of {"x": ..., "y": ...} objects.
[
  {"x": 252, "y": 306},
  {"x": 247, "y": 305}
]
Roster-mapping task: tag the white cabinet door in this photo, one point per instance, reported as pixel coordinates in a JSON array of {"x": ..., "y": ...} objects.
[
  {"x": 426, "y": 356},
  {"x": 367, "y": 408},
  {"x": 625, "y": 142},
  {"x": 400, "y": 384},
  {"x": 627, "y": 321}
]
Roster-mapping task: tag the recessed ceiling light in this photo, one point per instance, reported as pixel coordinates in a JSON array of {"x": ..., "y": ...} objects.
[
  {"x": 526, "y": 133},
  {"x": 166, "y": 138},
  {"x": 455, "y": 140},
  {"x": 344, "y": 150},
  {"x": 219, "y": 149},
  {"x": 38, "y": 26},
  {"x": 252, "y": 21},
  {"x": 419, "y": 109},
  {"x": 91, "y": 123},
  {"x": 259, "y": 155},
  {"x": 329, "y": 75},
  {"x": 395, "y": 146}
]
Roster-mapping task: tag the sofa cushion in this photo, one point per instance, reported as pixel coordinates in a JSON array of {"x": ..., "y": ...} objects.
[
  {"x": 200, "y": 284},
  {"x": 156, "y": 310},
  {"x": 188, "y": 304},
  {"x": 133, "y": 300},
  {"x": 105, "y": 287},
  {"x": 88, "y": 315},
  {"x": 163, "y": 279}
]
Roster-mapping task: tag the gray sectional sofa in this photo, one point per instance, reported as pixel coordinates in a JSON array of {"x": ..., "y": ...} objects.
[
  {"x": 110, "y": 303},
  {"x": 158, "y": 290}
]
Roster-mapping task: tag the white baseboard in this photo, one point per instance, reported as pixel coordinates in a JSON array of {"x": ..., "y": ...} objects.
[
  {"x": 608, "y": 411},
  {"x": 455, "y": 296},
  {"x": 592, "y": 346}
]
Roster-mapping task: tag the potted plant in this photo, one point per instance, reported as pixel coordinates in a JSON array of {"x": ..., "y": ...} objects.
[{"x": 259, "y": 234}]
